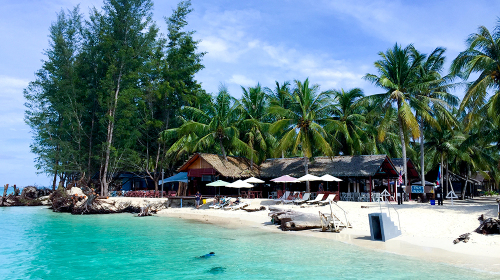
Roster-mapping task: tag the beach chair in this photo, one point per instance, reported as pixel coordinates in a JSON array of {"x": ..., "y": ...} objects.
[
  {"x": 305, "y": 198},
  {"x": 329, "y": 199},
  {"x": 282, "y": 198},
  {"x": 316, "y": 200},
  {"x": 295, "y": 197}
]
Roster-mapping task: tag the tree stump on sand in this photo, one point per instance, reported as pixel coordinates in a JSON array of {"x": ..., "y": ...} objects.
[
  {"x": 488, "y": 226},
  {"x": 291, "y": 220}
]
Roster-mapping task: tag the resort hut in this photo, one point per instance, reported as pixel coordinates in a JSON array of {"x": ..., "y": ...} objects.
[
  {"x": 413, "y": 174},
  {"x": 204, "y": 168},
  {"x": 359, "y": 173}
]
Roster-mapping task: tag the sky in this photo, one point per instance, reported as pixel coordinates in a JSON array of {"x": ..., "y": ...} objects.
[{"x": 333, "y": 43}]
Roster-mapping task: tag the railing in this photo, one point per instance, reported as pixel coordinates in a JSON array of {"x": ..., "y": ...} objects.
[
  {"x": 347, "y": 224},
  {"x": 387, "y": 203}
]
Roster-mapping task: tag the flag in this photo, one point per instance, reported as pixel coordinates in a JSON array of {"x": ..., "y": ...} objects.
[
  {"x": 400, "y": 179},
  {"x": 439, "y": 175}
]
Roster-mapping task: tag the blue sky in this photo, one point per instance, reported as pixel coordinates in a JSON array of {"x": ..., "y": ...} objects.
[{"x": 334, "y": 43}]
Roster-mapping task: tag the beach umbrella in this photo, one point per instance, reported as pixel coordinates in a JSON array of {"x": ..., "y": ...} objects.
[
  {"x": 253, "y": 180},
  {"x": 218, "y": 183},
  {"x": 239, "y": 185},
  {"x": 329, "y": 178},
  {"x": 285, "y": 179},
  {"x": 309, "y": 177}
]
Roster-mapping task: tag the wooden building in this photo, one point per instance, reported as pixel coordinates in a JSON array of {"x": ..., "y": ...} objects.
[
  {"x": 364, "y": 173},
  {"x": 204, "y": 168}
]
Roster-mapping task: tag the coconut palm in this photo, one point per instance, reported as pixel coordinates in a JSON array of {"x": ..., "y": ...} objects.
[
  {"x": 303, "y": 122},
  {"x": 254, "y": 103},
  {"x": 433, "y": 89},
  {"x": 397, "y": 74},
  {"x": 349, "y": 124},
  {"x": 206, "y": 130},
  {"x": 481, "y": 56}
]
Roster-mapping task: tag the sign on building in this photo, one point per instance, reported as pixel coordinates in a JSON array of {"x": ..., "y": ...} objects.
[{"x": 417, "y": 189}]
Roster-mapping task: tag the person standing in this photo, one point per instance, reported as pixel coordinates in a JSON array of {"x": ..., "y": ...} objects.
[
  {"x": 197, "y": 198},
  {"x": 439, "y": 194},
  {"x": 400, "y": 194},
  {"x": 320, "y": 188}
]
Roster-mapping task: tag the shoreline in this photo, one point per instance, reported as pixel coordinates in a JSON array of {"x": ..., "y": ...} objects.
[{"x": 481, "y": 253}]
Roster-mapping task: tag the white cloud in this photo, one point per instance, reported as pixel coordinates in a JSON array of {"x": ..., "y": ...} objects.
[{"x": 241, "y": 80}]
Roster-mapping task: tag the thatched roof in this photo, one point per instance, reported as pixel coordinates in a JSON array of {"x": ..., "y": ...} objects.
[
  {"x": 412, "y": 170},
  {"x": 234, "y": 167},
  {"x": 339, "y": 166}
]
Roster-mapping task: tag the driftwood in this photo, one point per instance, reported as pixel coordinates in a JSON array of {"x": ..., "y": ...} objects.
[
  {"x": 291, "y": 220},
  {"x": 488, "y": 226},
  {"x": 92, "y": 203},
  {"x": 255, "y": 209},
  {"x": 29, "y": 197},
  {"x": 464, "y": 237},
  {"x": 4, "y": 196}
]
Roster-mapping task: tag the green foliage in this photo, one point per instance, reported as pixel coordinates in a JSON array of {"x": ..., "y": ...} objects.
[{"x": 113, "y": 94}]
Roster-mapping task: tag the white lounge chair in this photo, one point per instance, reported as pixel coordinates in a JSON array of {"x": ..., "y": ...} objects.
[
  {"x": 303, "y": 199},
  {"x": 295, "y": 197},
  {"x": 329, "y": 199},
  {"x": 285, "y": 196},
  {"x": 319, "y": 197}
]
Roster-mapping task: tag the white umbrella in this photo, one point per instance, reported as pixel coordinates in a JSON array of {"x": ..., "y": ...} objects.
[
  {"x": 239, "y": 184},
  {"x": 309, "y": 177},
  {"x": 330, "y": 178},
  {"x": 254, "y": 180}
]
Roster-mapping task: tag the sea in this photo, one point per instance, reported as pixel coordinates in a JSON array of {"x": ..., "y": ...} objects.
[{"x": 36, "y": 243}]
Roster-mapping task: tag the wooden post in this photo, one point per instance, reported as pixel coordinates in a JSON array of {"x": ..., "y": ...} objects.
[
  {"x": 370, "y": 178},
  {"x": 338, "y": 191}
]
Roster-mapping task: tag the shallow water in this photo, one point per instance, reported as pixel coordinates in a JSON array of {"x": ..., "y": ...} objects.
[{"x": 38, "y": 244}]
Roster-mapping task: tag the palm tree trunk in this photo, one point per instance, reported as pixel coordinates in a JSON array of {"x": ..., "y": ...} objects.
[
  {"x": 403, "y": 147},
  {"x": 442, "y": 171},
  {"x": 222, "y": 149},
  {"x": 422, "y": 163},
  {"x": 306, "y": 167}
]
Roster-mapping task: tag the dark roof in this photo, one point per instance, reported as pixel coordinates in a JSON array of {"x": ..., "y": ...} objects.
[
  {"x": 340, "y": 166},
  {"x": 234, "y": 167},
  {"x": 412, "y": 170}
]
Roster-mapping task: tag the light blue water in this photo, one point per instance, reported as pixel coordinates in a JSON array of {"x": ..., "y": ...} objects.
[{"x": 38, "y": 244}]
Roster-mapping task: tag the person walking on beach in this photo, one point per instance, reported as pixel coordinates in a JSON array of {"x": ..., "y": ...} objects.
[{"x": 197, "y": 198}]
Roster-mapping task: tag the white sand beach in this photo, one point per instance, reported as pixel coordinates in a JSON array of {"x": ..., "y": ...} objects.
[{"x": 427, "y": 231}]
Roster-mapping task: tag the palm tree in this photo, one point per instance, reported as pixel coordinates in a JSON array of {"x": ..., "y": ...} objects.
[
  {"x": 349, "y": 122},
  {"x": 279, "y": 97},
  {"x": 255, "y": 103},
  {"x": 205, "y": 130},
  {"x": 304, "y": 121},
  {"x": 397, "y": 74},
  {"x": 433, "y": 88},
  {"x": 481, "y": 56}
]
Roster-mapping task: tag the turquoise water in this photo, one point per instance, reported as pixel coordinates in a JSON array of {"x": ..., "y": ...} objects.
[{"x": 38, "y": 244}]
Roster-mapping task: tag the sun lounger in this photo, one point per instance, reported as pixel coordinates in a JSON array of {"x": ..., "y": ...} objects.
[
  {"x": 237, "y": 206},
  {"x": 284, "y": 197},
  {"x": 319, "y": 197},
  {"x": 303, "y": 199},
  {"x": 296, "y": 196},
  {"x": 329, "y": 199},
  {"x": 223, "y": 203}
]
